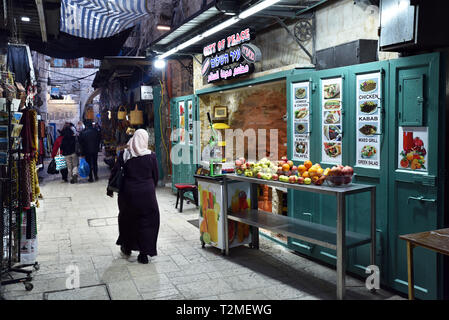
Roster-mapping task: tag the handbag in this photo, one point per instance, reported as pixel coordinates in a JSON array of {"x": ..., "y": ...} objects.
[
  {"x": 52, "y": 167},
  {"x": 83, "y": 168},
  {"x": 60, "y": 161},
  {"x": 116, "y": 182},
  {"x": 121, "y": 114}
]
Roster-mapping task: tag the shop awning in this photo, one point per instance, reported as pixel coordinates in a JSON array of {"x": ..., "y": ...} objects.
[
  {"x": 95, "y": 19},
  {"x": 210, "y": 16}
]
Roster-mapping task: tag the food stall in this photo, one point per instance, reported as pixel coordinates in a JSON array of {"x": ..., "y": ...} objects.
[{"x": 386, "y": 120}]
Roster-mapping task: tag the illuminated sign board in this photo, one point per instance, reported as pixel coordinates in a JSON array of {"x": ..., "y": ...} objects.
[{"x": 230, "y": 57}]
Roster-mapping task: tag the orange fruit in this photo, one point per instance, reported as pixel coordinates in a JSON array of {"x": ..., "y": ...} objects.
[
  {"x": 320, "y": 171},
  {"x": 312, "y": 171},
  {"x": 285, "y": 167},
  {"x": 305, "y": 174},
  {"x": 302, "y": 168},
  {"x": 308, "y": 164}
]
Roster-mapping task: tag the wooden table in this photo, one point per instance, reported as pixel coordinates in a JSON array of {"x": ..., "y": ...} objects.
[{"x": 436, "y": 240}]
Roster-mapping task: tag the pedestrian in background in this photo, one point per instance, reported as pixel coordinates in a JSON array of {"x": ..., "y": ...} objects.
[
  {"x": 68, "y": 150},
  {"x": 56, "y": 148},
  {"x": 90, "y": 143},
  {"x": 138, "y": 218}
]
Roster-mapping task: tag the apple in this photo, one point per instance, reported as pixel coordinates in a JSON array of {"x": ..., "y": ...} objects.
[
  {"x": 268, "y": 176},
  {"x": 290, "y": 163},
  {"x": 294, "y": 168},
  {"x": 285, "y": 159},
  {"x": 292, "y": 179},
  {"x": 347, "y": 171},
  {"x": 279, "y": 170},
  {"x": 283, "y": 178},
  {"x": 320, "y": 181},
  {"x": 259, "y": 175},
  {"x": 300, "y": 180},
  {"x": 238, "y": 163},
  {"x": 275, "y": 177},
  {"x": 307, "y": 181}
]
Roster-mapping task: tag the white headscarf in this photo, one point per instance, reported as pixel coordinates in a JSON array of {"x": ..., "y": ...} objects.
[{"x": 137, "y": 145}]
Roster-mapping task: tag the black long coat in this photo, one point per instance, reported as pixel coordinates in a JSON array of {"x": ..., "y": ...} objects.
[{"x": 138, "y": 218}]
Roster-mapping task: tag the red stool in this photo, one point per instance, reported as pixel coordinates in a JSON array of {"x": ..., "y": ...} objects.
[{"x": 182, "y": 187}]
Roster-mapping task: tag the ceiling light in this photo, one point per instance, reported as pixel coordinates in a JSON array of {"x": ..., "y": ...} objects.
[
  {"x": 245, "y": 14},
  {"x": 159, "y": 64},
  {"x": 163, "y": 27},
  {"x": 258, "y": 7},
  {"x": 25, "y": 19}
]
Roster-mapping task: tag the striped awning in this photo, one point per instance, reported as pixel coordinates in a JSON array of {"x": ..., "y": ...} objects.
[{"x": 94, "y": 19}]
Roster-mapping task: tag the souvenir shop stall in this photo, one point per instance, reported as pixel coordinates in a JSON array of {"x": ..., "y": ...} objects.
[{"x": 21, "y": 153}]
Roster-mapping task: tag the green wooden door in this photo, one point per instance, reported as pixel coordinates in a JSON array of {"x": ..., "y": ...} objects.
[
  {"x": 414, "y": 111},
  {"x": 391, "y": 98},
  {"x": 184, "y": 113}
]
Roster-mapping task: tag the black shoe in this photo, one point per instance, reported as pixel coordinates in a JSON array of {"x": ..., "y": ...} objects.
[
  {"x": 96, "y": 178},
  {"x": 72, "y": 181},
  {"x": 142, "y": 258},
  {"x": 90, "y": 180},
  {"x": 125, "y": 251}
]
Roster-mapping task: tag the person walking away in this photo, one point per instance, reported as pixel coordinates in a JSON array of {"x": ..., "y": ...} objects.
[
  {"x": 68, "y": 150},
  {"x": 138, "y": 218},
  {"x": 90, "y": 142},
  {"x": 54, "y": 152},
  {"x": 98, "y": 128}
]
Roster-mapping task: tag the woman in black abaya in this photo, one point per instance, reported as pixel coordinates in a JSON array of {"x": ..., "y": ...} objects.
[{"x": 138, "y": 218}]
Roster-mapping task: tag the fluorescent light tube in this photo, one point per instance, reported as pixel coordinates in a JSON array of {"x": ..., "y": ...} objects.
[
  {"x": 258, "y": 7},
  {"x": 220, "y": 27},
  {"x": 25, "y": 19}
]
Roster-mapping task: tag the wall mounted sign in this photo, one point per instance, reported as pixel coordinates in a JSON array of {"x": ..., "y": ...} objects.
[
  {"x": 146, "y": 92},
  {"x": 182, "y": 122},
  {"x": 301, "y": 121},
  {"x": 332, "y": 120},
  {"x": 413, "y": 143},
  {"x": 368, "y": 125},
  {"x": 230, "y": 57}
]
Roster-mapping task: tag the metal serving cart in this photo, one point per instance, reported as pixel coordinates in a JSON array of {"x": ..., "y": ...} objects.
[{"x": 333, "y": 238}]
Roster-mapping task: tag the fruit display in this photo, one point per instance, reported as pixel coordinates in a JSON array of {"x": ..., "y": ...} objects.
[
  {"x": 307, "y": 173},
  {"x": 340, "y": 175}
]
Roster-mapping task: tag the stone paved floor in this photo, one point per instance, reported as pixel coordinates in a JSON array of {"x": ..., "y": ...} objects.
[{"x": 77, "y": 225}]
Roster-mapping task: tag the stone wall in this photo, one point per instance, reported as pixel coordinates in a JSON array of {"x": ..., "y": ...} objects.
[{"x": 259, "y": 107}]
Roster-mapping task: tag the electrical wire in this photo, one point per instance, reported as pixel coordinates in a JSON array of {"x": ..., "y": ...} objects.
[{"x": 160, "y": 124}]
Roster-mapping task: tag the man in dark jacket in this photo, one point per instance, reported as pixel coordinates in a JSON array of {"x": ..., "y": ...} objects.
[
  {"x": 90, "y": 141},
  {"x": 68, "y": 150}
]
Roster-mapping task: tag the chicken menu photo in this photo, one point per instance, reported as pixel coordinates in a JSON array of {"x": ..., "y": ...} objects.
[
  {"x": 368, "y": 125},
  {"x": 332, "y": 120}
]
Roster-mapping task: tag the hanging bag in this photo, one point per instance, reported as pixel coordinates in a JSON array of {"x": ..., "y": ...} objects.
[
  {"x": 121, "y": 114},
  {"x": 136, "y": 117},
  {"x": 60, "y": 161},
  {"x": 116, "y": 181}
]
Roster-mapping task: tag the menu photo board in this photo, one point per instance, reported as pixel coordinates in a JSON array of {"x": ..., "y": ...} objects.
[
  {"x": 368, "y": 126},
  {"x": 182, "y": 122},
  {"x": 412, "y": 149},
  {"x": 301, "y": 121},
  {"x": 332, "y": 120},
  {"x": 190, "y": 120}
]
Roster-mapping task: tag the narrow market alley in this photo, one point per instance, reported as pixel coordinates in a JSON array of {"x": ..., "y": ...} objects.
[{"x": 77, "y": 226}]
